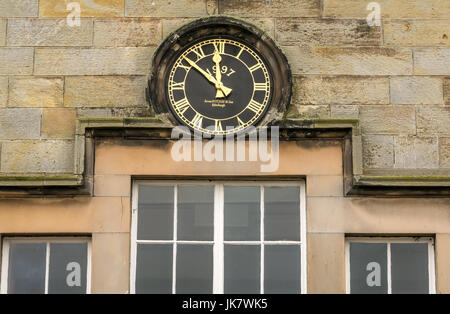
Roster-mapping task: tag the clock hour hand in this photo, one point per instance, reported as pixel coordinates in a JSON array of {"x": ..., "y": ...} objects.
[
  {"x": 217, "y": 59},
  {"x": 210, "y": 78}
]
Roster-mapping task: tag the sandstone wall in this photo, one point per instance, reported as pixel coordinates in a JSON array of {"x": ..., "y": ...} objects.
[{"x": 395, "y": 77}]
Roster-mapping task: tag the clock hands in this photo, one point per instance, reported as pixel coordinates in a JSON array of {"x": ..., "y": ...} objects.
[
  {"x": 217, "y": 59},
  {"x": 219, "y": 85}
]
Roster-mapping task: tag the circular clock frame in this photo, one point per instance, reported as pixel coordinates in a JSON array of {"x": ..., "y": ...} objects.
[{"x": 220, "y": 28}]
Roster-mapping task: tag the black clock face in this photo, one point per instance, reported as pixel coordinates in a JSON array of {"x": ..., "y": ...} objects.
[{"x": 219, "y": 86}]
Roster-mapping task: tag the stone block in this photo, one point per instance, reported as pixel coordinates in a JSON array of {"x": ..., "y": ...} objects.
[
  {"x": 127, "y": 32},
  {"x": 345, "y": 90},
  {"x": 51, "y": 156},
  {"x": 19, "y": 8},
  {"x": 49, "y": 32},
  {"x": 58, "y": 123},
  {"x": 432, "y": 61},
  {"x": 433, "y": 120},
  {"x": 416, "y": 90},
  {"x": 35, "y": 92},
  {"x": 105, "y": 91},
  {"x": 444, "y": 152},
  {"x": 416, "y": 33},
  {"x": 165, "y": 8},
  {"x": 96, "y": 61},
  {"x": 273, "y": 8},
  {"x": 349, "y": 60},
  {"x": 16, "y": 61},
  {"x": 378, "y": 151},
  {"x": 88, "y": 8},
  {"x": 416, "y": 152},
  {"x": 388, "y": 119},
  {"x": 20, "y": 124},
  {"x": 321, "y": 32}
]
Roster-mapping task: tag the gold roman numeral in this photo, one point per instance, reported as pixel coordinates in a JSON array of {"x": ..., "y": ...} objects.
[
  {"x": 218, "y": 126},
  {"x": 177, "y": 86},
  {"x": 240, "y": 52},
  {"x": 186, "y": 67},
  {"x": 255, "y": 106},
  {"x": 241, "y": 123},
  {"x": 182, "y": 105},
  {"x": 220, "y": 46},
  {"x": 255, "y": 67},
  {"x": 198, "y": 120},
  {"x": 199, "y": 52},
  {"x": 261, "y": 86}
]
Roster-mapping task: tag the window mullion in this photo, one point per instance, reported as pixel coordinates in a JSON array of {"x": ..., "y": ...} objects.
[
  {"x": 175, "y": 235},
  {"x": 218, "y": 267},
  {"x": 47, "y": 265},
  {"x": 262, "y": 240},
  {"x": 389, "y": 268}
]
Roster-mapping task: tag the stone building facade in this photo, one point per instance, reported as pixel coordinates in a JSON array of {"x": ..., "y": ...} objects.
[{"x": 388, "y": 84}]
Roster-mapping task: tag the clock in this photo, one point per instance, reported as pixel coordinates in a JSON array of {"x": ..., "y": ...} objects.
[{"x": 219, "y": 76}]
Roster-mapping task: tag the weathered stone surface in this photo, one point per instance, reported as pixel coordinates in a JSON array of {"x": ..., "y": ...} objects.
[
  {"x": 305, "y": 32},
  {"x": 97, "y": 91},
  {"x": 416, "y": 90},
  {"x": 447, "y": 91},
  {"x": 433, "y": 120},
  {"x": 19, "y": 8},
  {"x": 388, "y": 119},
  {"x": 2, "y": 32},
  {"x": 115, "y": 112},
  {"x": 16, "y": 61},
  {"x": 89, "y": 8},
  {"x": 127, "y": 32},
  {"x": 417, "y": 33},
  {"x": 378, "y": 151},
  {"x": 3, "y": 90},
  {"x": 97, "y": 61},
  {"x": 265, "y": 24},
  {"x": 58, "y": 123},
  {"x": 345, "y": 90},
  {"x": 349, "y": 60},
  {"x": 347, "y": 111},
  {"x": 35, "y": 92},
  {"x": 20, "y": 124},
  {"x": 273, "y": 8},
  {"x": 389, "y": 9},
  {"x": 416, "y": 152},
  {"x": 165, "y": 8},
  {"x": 49, "y": 32},
  {"x": 444, "y": 152},
  {"x": 432, "y": 61},
  {"x": 297, "y": 111},
  {"x": 37, "y": 156}
]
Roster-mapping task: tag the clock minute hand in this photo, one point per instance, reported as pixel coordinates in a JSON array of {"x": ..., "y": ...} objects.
[{"x": 210, "y": 78}]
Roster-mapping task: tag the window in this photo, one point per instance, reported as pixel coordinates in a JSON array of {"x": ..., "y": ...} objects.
[
  {"x": 223, "y": 237},
  {"x": 394, "y": 265},
  {"x": 50, "y": 265}
]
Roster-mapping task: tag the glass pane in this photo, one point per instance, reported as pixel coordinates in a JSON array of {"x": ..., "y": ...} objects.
[
  {"x": 194, "y": 269},
  {"x": 282, "y": 213},
  {"x": 281, "y": 269},
  {"x": 196, "y": 213},
  {"x": 409, "y": 264},
  {"x": 368, "y": 268},
  {"x": 68, "y": 267},
  {"x": 154, "y": 268},
  {"x": 242, "y": 269},
  {"x": 155, "y": 221},
  {"x": 26, "y": 272},
  {"x": 242, "y": 213}
]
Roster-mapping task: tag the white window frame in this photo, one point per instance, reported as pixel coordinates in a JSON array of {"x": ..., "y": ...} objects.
[
  {"x": 47, "y": 240},
  {"x": 389, "y": 241},
  {"x": 218, "y": 242}
]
